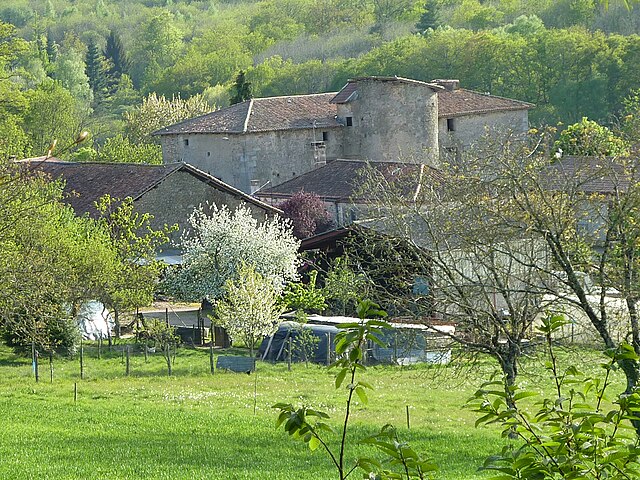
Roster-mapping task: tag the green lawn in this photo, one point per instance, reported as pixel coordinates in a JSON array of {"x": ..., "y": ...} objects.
[{"x": 197, "y": 425}]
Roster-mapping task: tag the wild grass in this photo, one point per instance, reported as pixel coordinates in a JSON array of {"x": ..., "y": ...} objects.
[{"x": 196, "y": 425}]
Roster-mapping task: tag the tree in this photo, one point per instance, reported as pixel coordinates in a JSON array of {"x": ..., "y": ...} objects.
[
  {"x": 242, "y": 89},
  {"x": 344, "y": 288},
  {"x": 117, "y": 57},
  {"x": 52, "y": 114},
  {"x": 475, "y": 271},
  {"x": 96, "y": 72},
  {"x": 573, "y": 434},
  {"x": 250, "y": 309},
  {"x": 589, "y": 138},
  {"x": 51, "y": 261},
  {"x": 584, "y": 234},
  {"x": 120, "y": 149},
  {"x": 156, "y": 112},
  {"x": 307, "y": 213},
  {"x": 220, "y": 241},
  {"x": 429, "y": 17},
  {"x": 136, "y": 272}
]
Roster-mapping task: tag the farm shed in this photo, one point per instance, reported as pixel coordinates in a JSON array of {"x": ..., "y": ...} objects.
[
  {"x": 275, "y": 348},
  {"x": 406, "y": 343}
]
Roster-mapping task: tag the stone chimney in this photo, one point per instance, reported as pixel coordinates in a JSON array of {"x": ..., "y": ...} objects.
[{"x": 449, "y": 85}]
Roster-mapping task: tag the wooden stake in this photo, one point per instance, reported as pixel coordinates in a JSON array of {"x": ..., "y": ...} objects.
[
  {"x": 75, "y": 392},
  {"x": 81, "y": 360},
  {"x": 128, "y": 362},
  {"x": 211, "y": 362},
  {"x": 51, "y": 366},
  {"x": 408, "y": 423}
]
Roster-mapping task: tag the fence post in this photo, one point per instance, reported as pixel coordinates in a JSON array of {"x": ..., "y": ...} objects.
[
  {"x": 289, "y": 354},
  {"x": 81, "y": 360},
  {"x": 51, "y": 366},
  {"x": 211, "y": 362},
  {"x": 128, "y": 363},
  {"x": 35, "y": 365}
]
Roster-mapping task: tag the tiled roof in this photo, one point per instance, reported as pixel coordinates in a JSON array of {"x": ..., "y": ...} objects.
[
  {"x": 262, "y": 115},
  {"x": 588, "y": 174},
  {"x": 467, "y": 102},
  {"x": 340, "y": 180},
  {"x": 86, "y": 182}
]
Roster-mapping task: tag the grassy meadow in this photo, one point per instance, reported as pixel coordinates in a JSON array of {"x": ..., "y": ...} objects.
[{"x": 195, "y": 425}]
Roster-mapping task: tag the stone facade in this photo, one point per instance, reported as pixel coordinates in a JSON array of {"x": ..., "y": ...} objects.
[
  {"x": 173, "y": 200},
  {"x": 249, "y": 161},
  {"x": 462, "y": 132}
]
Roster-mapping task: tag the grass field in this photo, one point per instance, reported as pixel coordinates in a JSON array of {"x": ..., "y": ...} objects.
[{"x": 195, "y": 425}]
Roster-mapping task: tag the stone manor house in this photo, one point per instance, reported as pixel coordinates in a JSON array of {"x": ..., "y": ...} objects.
[{"x": 264, "y": 142}]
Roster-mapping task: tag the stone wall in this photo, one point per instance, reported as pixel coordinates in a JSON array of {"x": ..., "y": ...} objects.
[
  {"x": 468, "y": 130},
  {"x": 248, "y": 161},
  {"x": 173, "y": 201}
]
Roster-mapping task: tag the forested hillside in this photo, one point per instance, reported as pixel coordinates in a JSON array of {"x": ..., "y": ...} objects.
[{"x": 73, "y": 64}]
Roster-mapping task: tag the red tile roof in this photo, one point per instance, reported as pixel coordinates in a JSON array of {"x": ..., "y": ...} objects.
[
  {"x": 86, "y": 182},
  {"x": 602, "y": 175},
  {"x": 262, "y": 115},
  {"x": 341, "y": 180},
  {"x": 462, "y": 102}
]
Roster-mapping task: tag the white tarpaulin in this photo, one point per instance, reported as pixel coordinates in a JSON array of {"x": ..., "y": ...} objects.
[{"x": 94, "y": 320}]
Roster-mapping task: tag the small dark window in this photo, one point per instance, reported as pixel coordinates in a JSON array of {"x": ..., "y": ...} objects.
[
  {"x": 451, "y": 127},
  {"x": 349, "y": 121},
  {"x": 325, "y": 136},
  {"x": 208, "y": 154},
  {"x": 186, "y": 142}
]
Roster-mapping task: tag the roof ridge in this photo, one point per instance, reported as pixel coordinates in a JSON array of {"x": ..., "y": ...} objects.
[
  {"x": 294, "y": 96},
  {"x": 245, "y": 126}
]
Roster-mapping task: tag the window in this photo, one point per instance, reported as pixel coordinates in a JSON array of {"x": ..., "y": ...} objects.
[
  {"x": 208, "y": 154},
  {"x": 186, "y": 142},
  {"x": 325, "y": 136},
  {"x": 349, "y": 121},
  {"x": 451, "y": 127}
]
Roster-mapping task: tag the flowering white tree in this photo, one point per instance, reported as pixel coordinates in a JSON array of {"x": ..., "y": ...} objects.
[
  {"x": 217, "y": 245},
  {"x": 249, "y": 310}
]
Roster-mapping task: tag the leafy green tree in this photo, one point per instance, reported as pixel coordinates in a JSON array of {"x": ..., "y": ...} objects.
[
  {"x": 163, "y": 337},
  {"x": 250, "y": 309},
  {"x": 574, "y": 433},
  {"x": 220, "y": 241},
  {"x": 136, "y": 271},
  {"x": 304, "y": 297},
  {"x": 120, "y": 149},
  {"x": 51, "y": 261},
  {"x": 156, "y": 112},
  {"x": 343, "y": 288},
  {"x": 52, "y": 114},
  {"x": 590, "y": 138},
  {"x": 242, "y": 89},
  {"x": 70, "y": 70}
]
